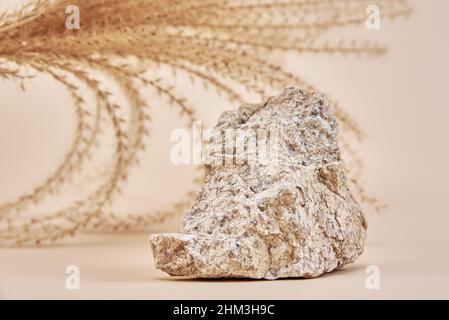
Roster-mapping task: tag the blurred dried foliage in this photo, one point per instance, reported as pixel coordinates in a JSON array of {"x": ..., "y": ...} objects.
[{"x": 218, "y": 43}]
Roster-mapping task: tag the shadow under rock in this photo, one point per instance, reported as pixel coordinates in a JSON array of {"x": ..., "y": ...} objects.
[{"x": 353, "y": 268}]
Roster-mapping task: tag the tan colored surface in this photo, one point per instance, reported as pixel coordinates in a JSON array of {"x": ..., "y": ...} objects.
[
  {"x": 121, "y": 267},
  {"x": 402, "y": 103}
]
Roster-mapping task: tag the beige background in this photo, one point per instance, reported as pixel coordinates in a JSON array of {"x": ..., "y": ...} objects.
[{"x": 400, "y": 100}]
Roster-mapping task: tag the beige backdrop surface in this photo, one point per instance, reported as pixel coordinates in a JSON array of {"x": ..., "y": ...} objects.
[{"x": 402, "y": 103}]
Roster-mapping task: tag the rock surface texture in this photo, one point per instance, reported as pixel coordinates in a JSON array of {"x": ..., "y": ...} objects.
[{"x": 294, "y": 217}]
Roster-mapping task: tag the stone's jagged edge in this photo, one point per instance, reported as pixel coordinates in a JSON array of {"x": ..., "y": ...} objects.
[{"x": 294, "y": 218}]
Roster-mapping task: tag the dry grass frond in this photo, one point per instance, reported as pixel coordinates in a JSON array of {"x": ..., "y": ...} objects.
[{"x": 217, "y": 43}]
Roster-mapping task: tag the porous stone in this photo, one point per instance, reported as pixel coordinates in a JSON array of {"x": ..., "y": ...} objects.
[{"x": 291, "y": 216}]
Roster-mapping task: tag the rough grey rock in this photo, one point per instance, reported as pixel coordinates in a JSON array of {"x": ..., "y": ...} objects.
[{"x": 292, "y": 216}]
